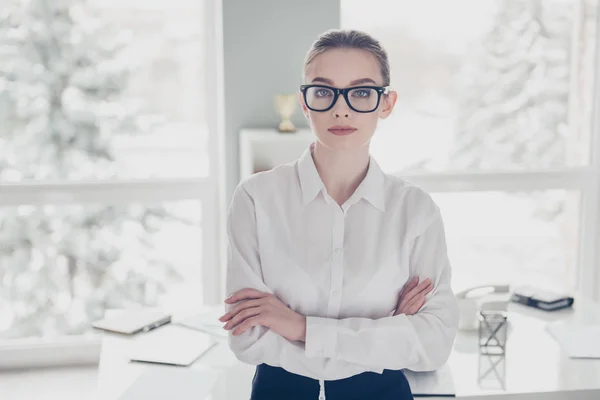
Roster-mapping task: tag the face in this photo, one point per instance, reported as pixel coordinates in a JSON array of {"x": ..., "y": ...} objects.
[{"x": 343, "y": 68}]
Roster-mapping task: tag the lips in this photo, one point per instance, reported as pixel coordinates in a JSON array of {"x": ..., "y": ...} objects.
[{"x": 341, "y": 130}]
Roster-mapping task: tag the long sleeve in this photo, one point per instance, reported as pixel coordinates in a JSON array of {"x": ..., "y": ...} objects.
[
  {"x": 258, "y": 344},
  {"x": 420, "y": 342}
]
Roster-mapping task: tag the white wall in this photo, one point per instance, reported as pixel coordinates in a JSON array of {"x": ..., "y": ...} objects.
[{"x": 264, "y": 44}]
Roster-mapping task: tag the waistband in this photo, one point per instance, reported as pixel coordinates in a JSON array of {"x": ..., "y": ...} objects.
[{"x": 391, "y": 384}]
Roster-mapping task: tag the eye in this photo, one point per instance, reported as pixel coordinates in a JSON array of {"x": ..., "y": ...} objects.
[
  {"x": 361, "y": 93},
  {"x": 323, "y": 93}
]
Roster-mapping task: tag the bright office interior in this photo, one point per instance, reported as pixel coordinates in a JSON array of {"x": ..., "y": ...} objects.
[{"x": 125, "y": 126}]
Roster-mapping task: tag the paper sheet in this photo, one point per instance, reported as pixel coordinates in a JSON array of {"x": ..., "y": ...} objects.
[
  {"x": 171, "y": 344},
  {"x": 205, "y": 321},
  {"x": 577, "y": 340},
  {"x": 172, "y": 383}
]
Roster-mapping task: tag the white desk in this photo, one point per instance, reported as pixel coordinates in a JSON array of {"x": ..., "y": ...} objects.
[{"x": 534, "y": 363}]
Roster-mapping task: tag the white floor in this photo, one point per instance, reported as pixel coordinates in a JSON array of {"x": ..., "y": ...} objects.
[{"x": 73, "y": 383}]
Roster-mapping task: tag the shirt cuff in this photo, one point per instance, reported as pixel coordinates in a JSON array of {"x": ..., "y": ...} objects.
[{"x": 321, "y": 337}]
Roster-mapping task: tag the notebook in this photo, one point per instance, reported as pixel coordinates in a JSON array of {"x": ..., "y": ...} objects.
[
  {"x": 541, "y": 299},
  {"x": 171, "y": 345}
]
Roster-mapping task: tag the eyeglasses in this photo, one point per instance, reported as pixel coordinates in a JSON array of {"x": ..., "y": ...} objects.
[{"x": 362, "y": 99}]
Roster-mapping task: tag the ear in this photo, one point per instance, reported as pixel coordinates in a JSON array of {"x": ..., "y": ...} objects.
[
  {"x": 388, "y": 100},
  {"x": 302, "y": 104}
]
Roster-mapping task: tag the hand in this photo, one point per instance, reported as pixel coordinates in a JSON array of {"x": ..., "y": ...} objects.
[
  {"x": 412, "y": 296},
  {"x": 263, "y": 309}
]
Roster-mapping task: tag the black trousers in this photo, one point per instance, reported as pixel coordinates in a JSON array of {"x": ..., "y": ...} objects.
[{"x": 275, "y": 383}]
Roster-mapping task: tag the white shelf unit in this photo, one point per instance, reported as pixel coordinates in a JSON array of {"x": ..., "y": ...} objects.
[{"x": 263, "y": 149}]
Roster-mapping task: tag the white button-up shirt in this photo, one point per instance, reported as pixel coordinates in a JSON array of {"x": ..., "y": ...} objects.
[{"x": 342, "y": 268}]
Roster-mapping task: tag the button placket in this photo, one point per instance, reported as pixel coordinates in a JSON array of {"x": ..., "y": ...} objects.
[{"x": 337, "y": 265}]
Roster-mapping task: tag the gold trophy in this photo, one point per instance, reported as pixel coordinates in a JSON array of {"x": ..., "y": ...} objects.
[{"x": 286, "y": 105}]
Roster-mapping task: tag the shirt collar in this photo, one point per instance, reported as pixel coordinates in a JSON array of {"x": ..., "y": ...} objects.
[{"x": 371, "y": 188}]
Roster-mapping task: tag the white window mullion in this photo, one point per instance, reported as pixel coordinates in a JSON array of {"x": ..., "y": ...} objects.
[
  {"x": 589, "y": 263},
  {"x": 211, "y": 263},
  {"x": 526, "y": 181},
  {"x": 589, "y": 279},
  {"x": 215, "y": 205},
  {"x": 105, "y": 192}
]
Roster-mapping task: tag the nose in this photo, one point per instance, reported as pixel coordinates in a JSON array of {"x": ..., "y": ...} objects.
[{"x": 340, "y": 108}]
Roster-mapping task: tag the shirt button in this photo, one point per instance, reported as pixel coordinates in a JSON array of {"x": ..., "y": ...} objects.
[
  {"x": 339, "y": 250},
  {"x": 335, "y": 292}
]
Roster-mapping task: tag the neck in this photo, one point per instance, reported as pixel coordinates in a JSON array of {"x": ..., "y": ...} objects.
[{"x": 341, "y": 171}]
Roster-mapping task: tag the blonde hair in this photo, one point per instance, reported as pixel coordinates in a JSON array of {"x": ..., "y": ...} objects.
[{"x": 350, "y": 39}]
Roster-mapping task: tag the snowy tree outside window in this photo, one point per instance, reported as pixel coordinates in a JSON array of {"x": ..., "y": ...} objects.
[
  {"x": 491, "y": 86},
  {"x": 97, "y": 91}
]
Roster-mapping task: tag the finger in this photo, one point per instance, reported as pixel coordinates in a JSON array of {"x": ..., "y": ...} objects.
[
  {"x": 419, "y": 288},
  {"x": 247, "y": 324},
  {"x": 409, "y": 297},
  {"x": 428, "y": 289},
  {"x": 424, "y": 290},
  {"x": 423, "y": 285},
  {"x": 419, "y": 303},
  {"x": 239, "y": 307},
  {"x": 245, "y": 294},
  {"x": 414, "y": 306},
  {"x": 414, "y": 293},
  {"x": 242, "y": 316},
  {"x": 409, "y": 285}
]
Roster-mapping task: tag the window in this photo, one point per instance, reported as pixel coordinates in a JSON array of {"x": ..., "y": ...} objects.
[
  {"x": 494, "y": 117},
  {"x": 107, "y": 161},
  {"x": 65, "y": 264},
  {"x": 514, "y": 237}
]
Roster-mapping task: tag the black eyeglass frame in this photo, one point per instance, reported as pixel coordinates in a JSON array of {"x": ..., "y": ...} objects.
[{"x": 344, "y": 92}]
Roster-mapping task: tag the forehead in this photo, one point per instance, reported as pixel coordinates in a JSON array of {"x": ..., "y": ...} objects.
[{"x": 343, "y": 66}]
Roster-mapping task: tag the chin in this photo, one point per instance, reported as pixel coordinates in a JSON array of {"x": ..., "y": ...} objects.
[{"x": 353, "y": 141}]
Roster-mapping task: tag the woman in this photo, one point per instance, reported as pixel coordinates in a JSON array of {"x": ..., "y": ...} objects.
[{"x": 325, "y": 253}]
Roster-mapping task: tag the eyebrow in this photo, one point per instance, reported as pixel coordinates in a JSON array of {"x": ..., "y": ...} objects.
[{"x": 356, "y": 82}]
